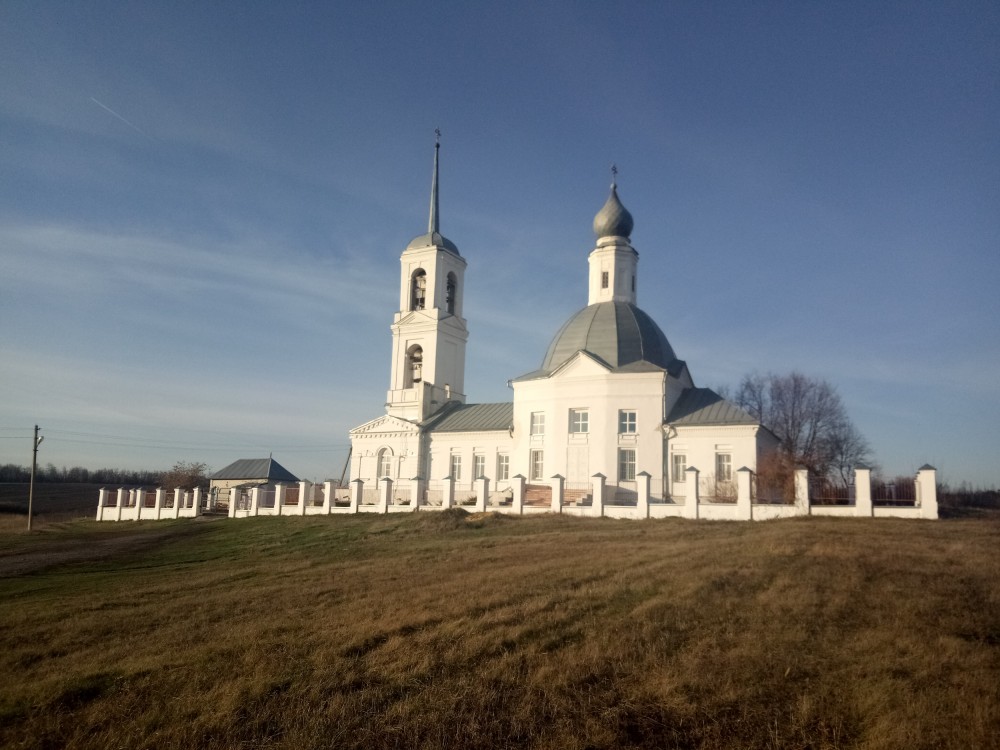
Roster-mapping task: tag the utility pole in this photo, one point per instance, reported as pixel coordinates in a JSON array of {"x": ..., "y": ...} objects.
[{"x": 34, "y": 463}]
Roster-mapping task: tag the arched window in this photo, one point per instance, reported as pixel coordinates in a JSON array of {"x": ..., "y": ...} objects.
[
  {"x": 418, "y": 290},
  {"x": 384, "y": 464},
  {"x": 451, "y": 292},
  {"x": 414, "y": 365}
]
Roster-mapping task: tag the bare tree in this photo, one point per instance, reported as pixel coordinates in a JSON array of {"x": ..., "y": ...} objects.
[
  {"x": 809, "y": 417},
  {"x": 185, "y": 475}
]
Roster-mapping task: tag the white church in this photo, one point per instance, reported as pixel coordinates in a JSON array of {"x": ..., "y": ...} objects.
[
  {"x": 610, "y": 424},
  {"x": 610, "y": 404}
]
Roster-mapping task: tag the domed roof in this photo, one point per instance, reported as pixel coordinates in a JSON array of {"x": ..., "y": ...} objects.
[
  {"x": 433, "y": 238},
  {"x": 619, "y": 333},
  {"x": 613, "y": 220}
]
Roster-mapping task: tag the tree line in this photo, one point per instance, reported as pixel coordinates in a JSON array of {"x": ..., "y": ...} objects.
[{"x": 186, "y": 475}]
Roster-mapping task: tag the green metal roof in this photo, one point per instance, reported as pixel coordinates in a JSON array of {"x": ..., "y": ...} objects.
[
  {"x": 472, "y": 418},
  {"x": 705, "y": 406}
]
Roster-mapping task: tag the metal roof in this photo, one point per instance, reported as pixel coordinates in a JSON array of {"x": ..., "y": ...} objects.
[
  {"x": 255, "y": 468},
  {"x": 618, "y": 333},
  {"x": 472, "y": 418},
  {"x": 705, "y": 406}
]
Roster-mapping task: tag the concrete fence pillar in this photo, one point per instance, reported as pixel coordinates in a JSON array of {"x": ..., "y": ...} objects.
[
  {"x": 926, "y": 486},
  {"x": 357, "y": 494},
  {"x": 327, "y": 496},
  {"x": 558, "y": 488},
  {"x": 863, "y": 491},
  {"x": 279, "y": 499},
  {"x": 598, "y": 485},
  {"x": 119, "y": 501},
  {"x": 642, "y": 500},
  {"x": 744, "y": 499},
  {"x": 482, "y": 489},
  {"x": 197, "y": 501},
  {"x": 102, "y": 499},
  {"x": 691, "y": 501},
  {"x": 254, "y": 501},
  {"x": 305, "y": 496},
  {"x": 447, "y": 492},
  {"x": 384, "y": 494},
  {"x": 517, "y": 496},
  {"x": 160, "y": 500},
  {"x": 234, "y": 496},
  {"x": 802, "y": 490},
  {"x": 177, "y": 502},
  {"x": 416, "y": 492}
]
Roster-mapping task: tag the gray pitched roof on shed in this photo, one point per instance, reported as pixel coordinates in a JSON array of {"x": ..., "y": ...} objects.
[
  {"x": 705, "y": 406},
  {"x": 255, "y": 468},
  {"x": 472, "y": 418}
]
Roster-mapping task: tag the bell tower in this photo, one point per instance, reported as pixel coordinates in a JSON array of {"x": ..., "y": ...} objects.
[
  {"x": 613, "y": 262},
  {"x": 428, "y": 332}
]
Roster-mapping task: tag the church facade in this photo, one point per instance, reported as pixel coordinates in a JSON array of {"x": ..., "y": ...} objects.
[{"x": 610, "y": 403}]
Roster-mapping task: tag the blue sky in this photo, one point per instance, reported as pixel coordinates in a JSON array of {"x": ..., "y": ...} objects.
[{"x": 202, "y": 207}]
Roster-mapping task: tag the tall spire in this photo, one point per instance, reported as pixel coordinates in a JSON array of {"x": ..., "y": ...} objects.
[{"x": 432, "y": 221}]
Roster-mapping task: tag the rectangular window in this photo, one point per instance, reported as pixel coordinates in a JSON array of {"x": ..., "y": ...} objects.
[
  {"x": 579, "y": 421},
  {"x": 680, "y": 467},
  {"x": 503, "y": 467},
  {"x": 456, "y": 467},
  {"x": 723, "y": 467},
  {"x": 537, "y": 466},
  {"x": 626, "y": 464},
  {"x": 478, "y": 466},
  {"x": 538, "y": 423},
  {"x": 604, "y": 279},
  {"x": 626, "y": 422}
]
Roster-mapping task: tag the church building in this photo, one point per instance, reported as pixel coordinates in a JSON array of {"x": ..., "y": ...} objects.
[{"x": 610, "y": 401}]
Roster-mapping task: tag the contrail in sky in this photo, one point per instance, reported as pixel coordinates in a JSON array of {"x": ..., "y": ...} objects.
[{"x": 108, "y": 109}]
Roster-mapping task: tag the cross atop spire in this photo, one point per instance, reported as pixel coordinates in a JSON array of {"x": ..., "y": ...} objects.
[
  {"x": 614, "y": 175},
  {"x": 432, "y": 221}
]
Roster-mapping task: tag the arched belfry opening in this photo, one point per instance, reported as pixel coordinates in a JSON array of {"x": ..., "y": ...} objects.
[
  {"x": 418, "y": 290},
  {"x": 451, "y": 293},
  {"x": 414, "y": 365}
]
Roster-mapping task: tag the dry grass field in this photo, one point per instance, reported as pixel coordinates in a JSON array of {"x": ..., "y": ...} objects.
[{"x": 442, "y": 630}]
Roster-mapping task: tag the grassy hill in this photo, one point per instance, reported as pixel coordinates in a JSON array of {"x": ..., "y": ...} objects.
[{"x": 444, "y": 630}]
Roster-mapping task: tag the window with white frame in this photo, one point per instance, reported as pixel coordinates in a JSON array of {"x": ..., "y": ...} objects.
[
  {"x": 537, "y": 466},
  {"x": 723, "y": 467},
  {"x": 478, "y": 466},
  {"x": 579, "y": 421},
  {"x": 626, "y": 464},
  {"x": 626, "y": 422},
  {"x": 384, "y": 463},
  {"x": 456, "y": 467},
  {"x": 680, "y": 467},
  {"x": 538, "y": 423},
  {"x": 503, "y": 467}
]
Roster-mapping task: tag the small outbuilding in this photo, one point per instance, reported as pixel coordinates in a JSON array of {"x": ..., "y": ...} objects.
[{"x": 248, "y": 472}]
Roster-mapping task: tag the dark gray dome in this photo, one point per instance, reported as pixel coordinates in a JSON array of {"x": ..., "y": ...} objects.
[
  {"x": 613, "y": 220},
  {"x": 617, "y": 332}
]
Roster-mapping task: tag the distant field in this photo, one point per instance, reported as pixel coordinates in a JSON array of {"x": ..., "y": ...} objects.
[
  {"x": 53, "y": 500},
  {"x": 442, "y": 630}
]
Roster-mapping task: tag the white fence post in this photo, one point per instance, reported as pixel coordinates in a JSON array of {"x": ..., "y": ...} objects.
[
  {"x": 926, "y": 487},
  {"x": 517, "y": 497},
  {"x": 327, "y": 496},
  {"x": 448, "y": 492},
  {"x": 102, "y": 498},
  {"x": 357, "y": 493},
  {"x": 598, "y": 483},
  {"x": 482, "y": 489},
  {"x": 863, "y": 491},
  {"x": 305, "y": 488},
  {"x": 416, "y": 492},
  {"x": 802, "y": 490},
  {"x": 177, "y": 502},
  {"x": 279, "y": 498},
  {"x": 691, "y": 501},
  {"x": 642, "y": 500},
  {"x": 197, "y": 501},
  {"x": 254, "y": 500},
  {"x": 159, "y": 502},
  {"x": 744, "y": 505},
  {"x": 384, "y": 494},
  {"x": 558, "y": 483}
]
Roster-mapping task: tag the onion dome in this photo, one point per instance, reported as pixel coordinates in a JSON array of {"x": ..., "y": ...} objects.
[{"x": 613, "y": 220}]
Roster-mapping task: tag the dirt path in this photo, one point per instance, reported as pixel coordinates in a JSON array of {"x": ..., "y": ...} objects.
[{"x": 51, "y": 552}]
